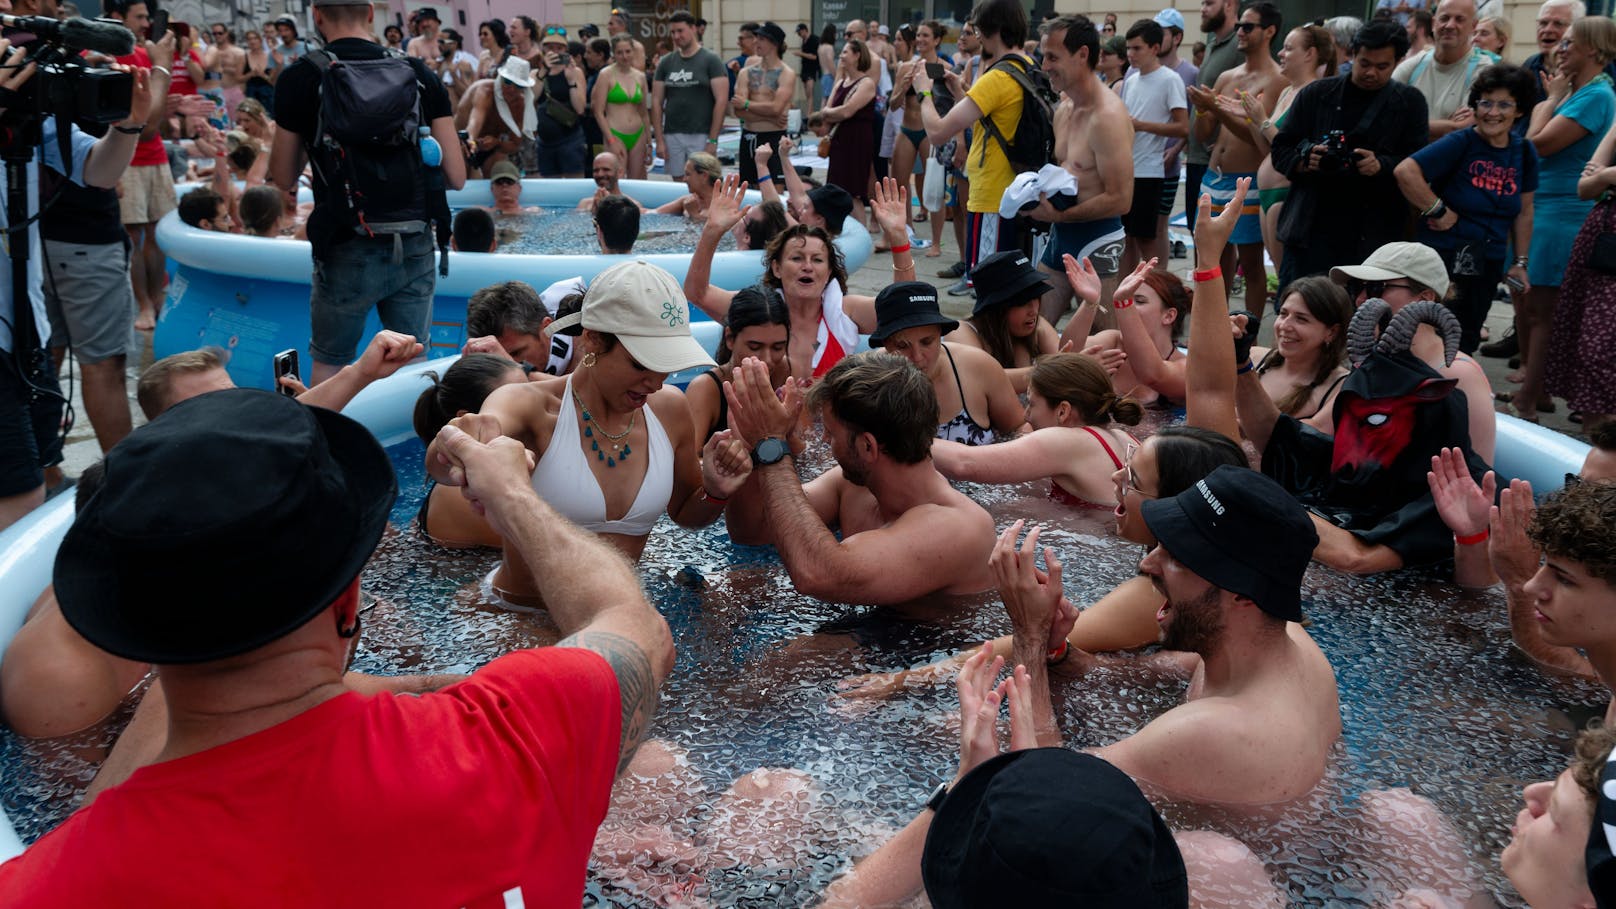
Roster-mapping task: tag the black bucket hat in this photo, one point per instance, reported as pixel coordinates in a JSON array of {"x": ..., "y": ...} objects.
[
  {"x": 1006, "y": 278},
  {"x": 1241, "y": 531},
  {"x": 833, "y": 203},
  {"x": 222, "y": 525},
  {"x": 1051, "y": 827},
  {"x": 773, "y": 33},
  {"x": 907, "y": 304}
]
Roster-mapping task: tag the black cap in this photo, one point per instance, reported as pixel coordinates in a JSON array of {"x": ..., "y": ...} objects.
[
  {"x": 772, "y": 32},
  {"x": 1006, "y": 278},
  {"x": 223, "y": 525},
  {"x": 907, "y": 304},
  {"x": 1241, "y": 531},
  {"x": 833, "y": 203},
  {"x": 1051, "y": 827},
  {"x": 427, "y": 12}
]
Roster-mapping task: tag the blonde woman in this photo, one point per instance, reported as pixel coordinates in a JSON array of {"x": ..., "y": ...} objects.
[{"x": 1493, "y": 34}]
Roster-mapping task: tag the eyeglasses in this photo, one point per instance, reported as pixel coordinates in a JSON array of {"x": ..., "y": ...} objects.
[
  {"x": 1373, "y": 289},
  {"x": 1247, "y": 27},
  {"x": 1501, "y": 106},
  {"x": 1132, "y": 482}
]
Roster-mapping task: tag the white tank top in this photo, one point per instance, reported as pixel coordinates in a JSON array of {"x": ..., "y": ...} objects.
[{"x": 563, "y": 477}]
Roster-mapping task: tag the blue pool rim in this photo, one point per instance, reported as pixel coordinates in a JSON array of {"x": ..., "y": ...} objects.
[{"x": 250, "y": 296}]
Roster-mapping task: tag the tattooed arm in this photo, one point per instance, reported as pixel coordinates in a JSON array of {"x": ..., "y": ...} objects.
[{"x": 591, "y": 591}]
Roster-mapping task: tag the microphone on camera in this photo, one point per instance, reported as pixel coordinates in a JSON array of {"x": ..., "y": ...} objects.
[{"x": 99, "y": 35}]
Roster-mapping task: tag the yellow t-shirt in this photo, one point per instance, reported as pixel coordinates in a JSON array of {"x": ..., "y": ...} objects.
[{"x": 998, "y": 95}]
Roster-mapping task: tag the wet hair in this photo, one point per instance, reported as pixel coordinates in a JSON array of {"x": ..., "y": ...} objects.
[
  {"x": 1517, "y": 80},
  {"x": 473, "y": 230},
  {"x": 1327, "y": 302},
  {"x": 763, "y": 229},
  {"x": 506, "y": 306},
  {"x": 618, "y": 218},
  {"x": 1267, "y": 14},
  {"x": 464, "y": 386},
  {"x": 1174, "y": 293},
  {"x": 1379, "y": 34},
  {"x": 1148, "y": 31},
  {"x": 1597, "y": 33},
  {"x": 260, "y": 210},
  {"x": 752, "y": 306},
  {"x": 243, "y": 156},
  {"x": 1318, "y": 38},
  {"x": 1186, "y": 454},
  {"x": 154, "y": 390},
  {"x": 993, "y": 328},
  {"x": 1004, "y": 19},
  {"x": 1593, "y": 748},
  {"x": 198, "y": 205},
  {"x": 1077, "y": 33},
  {"x": 886, "y": 396},
  {"x": 776, "y": 251},
  {"x": 862, "y": 50},
  {"x": 707, "y": 164},
  {"x": 1080, "y": 380},
  {"x": 1576, "y": 523}
]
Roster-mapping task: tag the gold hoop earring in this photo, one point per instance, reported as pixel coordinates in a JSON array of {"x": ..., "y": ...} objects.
[{"x": 589, "y": 360}]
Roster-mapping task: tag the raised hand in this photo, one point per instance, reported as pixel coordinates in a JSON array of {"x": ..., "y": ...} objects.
[
  {"x": 1130, "y": 285},
  {"x": 1031, "y": 597},
  {"x": 1465, "y": 507},
  {"x": 1514, "y": 556},
  {"x": 487, "y": 344},
  {"x": 727, "y": 206},
  {"x": 756, "y": 410},
  {"x": 890, "y": 204},
  {"x": 387, "y": 352},
  {"x": 1084, "y": 279},
  {"x": 1111, "y": 358},
  {"x": 1212, "y": 233},
  {"x": 1023, "y": 720}
]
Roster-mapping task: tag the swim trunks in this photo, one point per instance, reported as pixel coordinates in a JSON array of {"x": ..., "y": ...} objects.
[
  {"x": 1221, "y": 188},
  {"x": 1101, "y": 241}
]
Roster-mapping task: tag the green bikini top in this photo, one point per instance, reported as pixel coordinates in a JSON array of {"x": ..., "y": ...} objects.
[{"x": 616, "y": 95}]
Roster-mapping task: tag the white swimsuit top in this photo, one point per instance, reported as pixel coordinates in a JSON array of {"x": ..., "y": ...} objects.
[{"x": 563, "y": 477}]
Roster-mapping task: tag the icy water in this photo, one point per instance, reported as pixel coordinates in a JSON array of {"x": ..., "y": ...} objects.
[
  {"x": 563, "y": 231},
  {"x": 1433, "y": 698}
]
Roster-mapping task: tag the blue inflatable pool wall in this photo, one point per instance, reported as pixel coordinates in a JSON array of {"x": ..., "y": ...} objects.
[{"x": 250, "y": 296}]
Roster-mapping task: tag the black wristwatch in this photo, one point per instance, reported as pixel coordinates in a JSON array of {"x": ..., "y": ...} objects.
[
  {"x": 769, "y": 451},
  {"x": 937, "y": 797}
]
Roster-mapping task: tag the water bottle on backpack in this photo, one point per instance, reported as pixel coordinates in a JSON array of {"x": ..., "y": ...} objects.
[{"x": 431, "y": 152}]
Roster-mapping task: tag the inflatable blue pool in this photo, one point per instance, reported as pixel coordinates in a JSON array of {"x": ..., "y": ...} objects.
[{"x": 250, "y": 296}]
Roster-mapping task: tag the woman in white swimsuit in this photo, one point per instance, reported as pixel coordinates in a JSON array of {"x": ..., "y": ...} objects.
[{"x": 616, "y": 448}]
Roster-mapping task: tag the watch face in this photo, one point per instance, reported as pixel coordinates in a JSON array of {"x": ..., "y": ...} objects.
[{"x": 769, "y": 451}]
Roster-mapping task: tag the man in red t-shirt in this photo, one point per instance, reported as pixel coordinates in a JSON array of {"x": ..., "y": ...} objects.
[
  {"x": 278, "y": 784},
  {"x": 146, "y": 192}
]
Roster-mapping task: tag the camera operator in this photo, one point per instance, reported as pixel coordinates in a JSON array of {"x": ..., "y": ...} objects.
[
  {"x": 30, "y": 400},
  {"x": 1339, "y": 144}
]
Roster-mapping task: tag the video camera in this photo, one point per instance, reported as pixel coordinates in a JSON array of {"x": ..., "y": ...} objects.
[
  {"x": 64, "y": 84},
  {"x": 1335, "y": 155}
]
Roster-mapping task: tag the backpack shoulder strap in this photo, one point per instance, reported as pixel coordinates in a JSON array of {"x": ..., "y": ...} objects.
[
  {"x": 1006, "y": 65},
  {"x": 320, "y": 59}
]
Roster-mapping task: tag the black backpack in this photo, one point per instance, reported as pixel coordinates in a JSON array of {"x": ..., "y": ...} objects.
[
  {"x": 1033, "y": 144},
  {"x": 366, "y": 149}
]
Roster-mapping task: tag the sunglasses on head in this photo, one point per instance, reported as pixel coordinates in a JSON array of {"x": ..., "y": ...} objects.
[
  {"x": 1371, "y": 288},
  {"x": 557, "y": 30}
]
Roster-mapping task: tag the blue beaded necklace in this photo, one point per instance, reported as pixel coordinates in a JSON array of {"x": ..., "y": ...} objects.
[{"x": 619, "y": 453}]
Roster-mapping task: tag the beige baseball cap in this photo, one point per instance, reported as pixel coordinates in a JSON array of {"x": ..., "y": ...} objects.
[
  {"x": 644, "y": 307},
  {"x": 1415, "y": 261}
]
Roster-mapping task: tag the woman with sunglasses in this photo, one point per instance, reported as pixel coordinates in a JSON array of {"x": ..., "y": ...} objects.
[
  {"x": 560, "y": 109},
  {"x": 1474, "y": 190},
  {"x": 621, "y": 104},
  {"x": 494, "y": 44}
]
